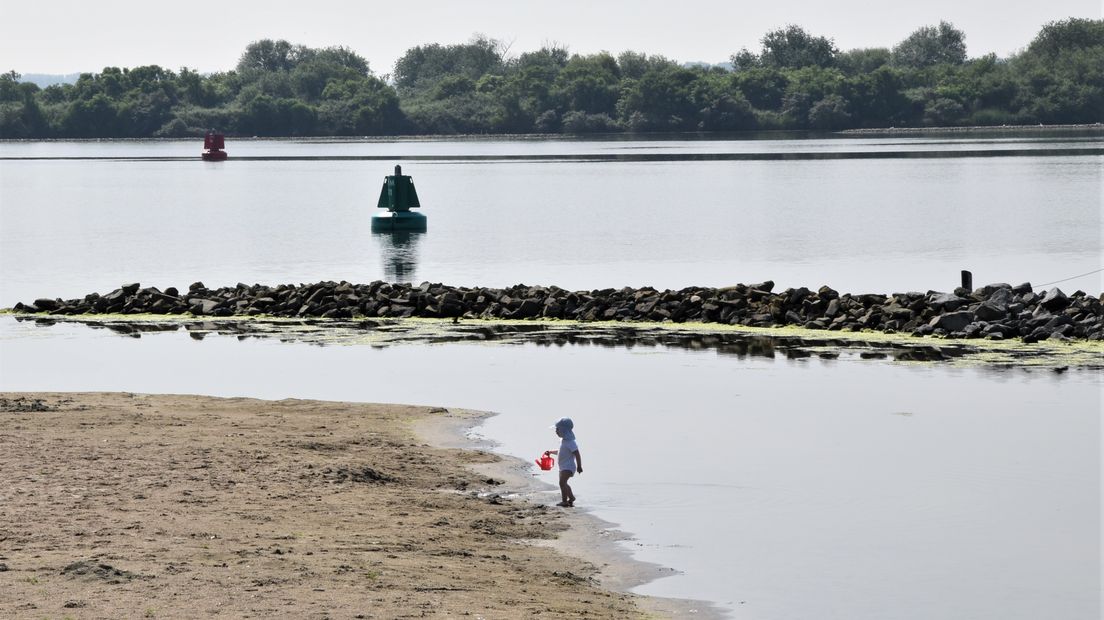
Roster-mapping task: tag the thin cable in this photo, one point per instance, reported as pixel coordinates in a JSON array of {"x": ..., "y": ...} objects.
[{"x": 1072, "y": 277}]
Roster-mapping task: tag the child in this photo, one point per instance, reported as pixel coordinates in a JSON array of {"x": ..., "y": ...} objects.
[{"x": 570, "y": 459}]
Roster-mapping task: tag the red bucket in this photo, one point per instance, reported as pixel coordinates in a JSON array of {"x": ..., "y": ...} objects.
[{"x": 546, "y": 462}]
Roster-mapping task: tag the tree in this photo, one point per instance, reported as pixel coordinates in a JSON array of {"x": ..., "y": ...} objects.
[
  {"x": 1066, "y": 35},
  {"x": 9, "y": 87},
  {"x": 862, "y": 61},
  {"x": 360, "y": 107},
  {"x": 20, "y": 114},
  {"x": 744, "y": 60},
  {"x": 660, "y": 99},
  {"x": 95, "y": 117},
  {"x": 634, "y": 65},
  {"x": 763, "y": 86},
  {"x": 423, "y": 65},
  {"x": 1061, "y": 74},
  {"x": 931, "y": 45},
  {"x": 269, "y": 55},
  {"x": 941, "y": 112},
  {"x": 876, "y": 98},
  {"x": 589, "y": 84},
  {"x": 719, "y": 103},
  {"x": 793, "y": 47},
  {"x": 829, "y": 113},
  {"x": 340, "y": 56}
]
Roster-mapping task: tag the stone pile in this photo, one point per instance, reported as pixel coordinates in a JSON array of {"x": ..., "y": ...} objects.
[{"x": 996, "y": 311}]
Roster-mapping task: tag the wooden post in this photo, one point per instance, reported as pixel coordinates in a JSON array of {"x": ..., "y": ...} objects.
[{"x": 967, "y": 280}]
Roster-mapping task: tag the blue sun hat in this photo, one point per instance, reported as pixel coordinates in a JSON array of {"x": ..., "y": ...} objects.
[{"x": 565, "y": 426}]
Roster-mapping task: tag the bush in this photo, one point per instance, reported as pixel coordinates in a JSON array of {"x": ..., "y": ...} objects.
[
  {"x": 177, "y": 128},
  {"x": 942, "y": 112},
  {"x": 990, "y": 117},
  {"x": 581, "y": 122},
  {"x": 829, "y": 113}
]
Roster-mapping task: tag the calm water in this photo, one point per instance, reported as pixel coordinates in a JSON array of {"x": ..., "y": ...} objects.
[
  {"x": 68, "y": 227},
  {"x": 779, "y": 488}
]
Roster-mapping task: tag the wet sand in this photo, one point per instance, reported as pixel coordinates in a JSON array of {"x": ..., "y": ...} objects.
[{"x": 128, "y": 505}]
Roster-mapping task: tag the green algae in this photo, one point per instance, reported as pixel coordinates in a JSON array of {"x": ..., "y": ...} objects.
[{"x": 791, "y": 341}]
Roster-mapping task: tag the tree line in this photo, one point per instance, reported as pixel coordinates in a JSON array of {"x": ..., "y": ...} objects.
[{"x": 795, "y": 80}]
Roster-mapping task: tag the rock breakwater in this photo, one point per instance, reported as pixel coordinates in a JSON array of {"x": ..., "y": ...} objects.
[{"x": 995, "y": 311}]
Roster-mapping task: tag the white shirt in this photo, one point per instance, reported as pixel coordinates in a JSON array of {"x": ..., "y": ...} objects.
[{"x": 568, "y": 447}]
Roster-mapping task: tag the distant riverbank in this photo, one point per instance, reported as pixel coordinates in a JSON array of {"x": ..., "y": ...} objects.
[{"x": 1074, "y": 128}]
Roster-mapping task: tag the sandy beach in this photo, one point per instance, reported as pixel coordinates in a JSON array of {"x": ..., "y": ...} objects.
[{"x": 160, "y": 506}]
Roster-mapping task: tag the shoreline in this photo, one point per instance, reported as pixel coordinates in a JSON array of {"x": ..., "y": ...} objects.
[
  {"x": 613, "y": 135},
  {"x": 789, "y": 339},
  {"x": 587, "y": 537},
  {"x": 187, "y": 505},
  {"x": 992, "y": 312}
]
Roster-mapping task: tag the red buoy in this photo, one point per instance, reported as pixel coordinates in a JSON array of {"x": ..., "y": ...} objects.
[{"x": 213, "y": 143}]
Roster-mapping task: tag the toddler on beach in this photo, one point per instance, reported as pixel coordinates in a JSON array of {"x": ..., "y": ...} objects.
[{"x": 570, "y": 459}]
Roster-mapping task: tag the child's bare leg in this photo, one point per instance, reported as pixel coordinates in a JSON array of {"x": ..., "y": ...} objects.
[{"x": 565, "y": 489}]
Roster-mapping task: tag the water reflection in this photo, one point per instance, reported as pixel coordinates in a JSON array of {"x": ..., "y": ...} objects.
[
  {"x": 399, "y": 251},
  {"x": 381, "y": 333}
]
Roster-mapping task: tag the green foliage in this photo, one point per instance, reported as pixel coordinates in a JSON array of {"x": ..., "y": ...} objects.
[
  {"x": 422, "y": 66},
  {"x": 268, "y": 56},
  {"x": 792, "y": 47},
  {"x": 1061, "y": 75},
  {"x": 589, "y": 84},
  {"x": 659, "y": 101},
  {"x": 829, "y": 113},
  {"x": 931, "y": 45},
  {"x": 796, "y": 81},
  {"x": 94, "y": 117},
  {"x": 863, "y": 61},
  {"x": 581, "y": 122},
  {"x": 763, "y": 86},
  {"x": 1065, "y": 36}
]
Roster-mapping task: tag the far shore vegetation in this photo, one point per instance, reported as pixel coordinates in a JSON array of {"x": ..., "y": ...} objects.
[{"x": 796, "y": 80}]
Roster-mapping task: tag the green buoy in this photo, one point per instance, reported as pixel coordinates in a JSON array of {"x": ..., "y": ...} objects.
[{"x": 398, "y": 196}]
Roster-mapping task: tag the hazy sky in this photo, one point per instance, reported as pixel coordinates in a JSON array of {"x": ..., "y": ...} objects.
[{"x": 69, "y": 36}]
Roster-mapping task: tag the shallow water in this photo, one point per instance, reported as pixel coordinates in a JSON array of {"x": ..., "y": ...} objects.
[{"x": 779, "y": 488}]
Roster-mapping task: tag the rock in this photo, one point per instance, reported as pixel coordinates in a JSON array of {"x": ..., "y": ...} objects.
[
  {"x": 527, "y": 310},
  {"x": 202, "y": 306},
  {"x": 46, "y": 305},
  {"x": 989, "y": 311},
  {"x": 947, "y": 302},
  {"x": 1002, "y": 297},
  {"x": 993, "y": 309},
  {"x": 987, "y": 290},
  {"x": 796, "y": 296},
  {"x": 952, "y": 321},
  {"x": 1054, "y": 300},
  {"x": 871, "y": 299}
]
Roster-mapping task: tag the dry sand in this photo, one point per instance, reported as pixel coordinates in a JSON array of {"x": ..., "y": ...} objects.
[{"x": 128, "y": 505}]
